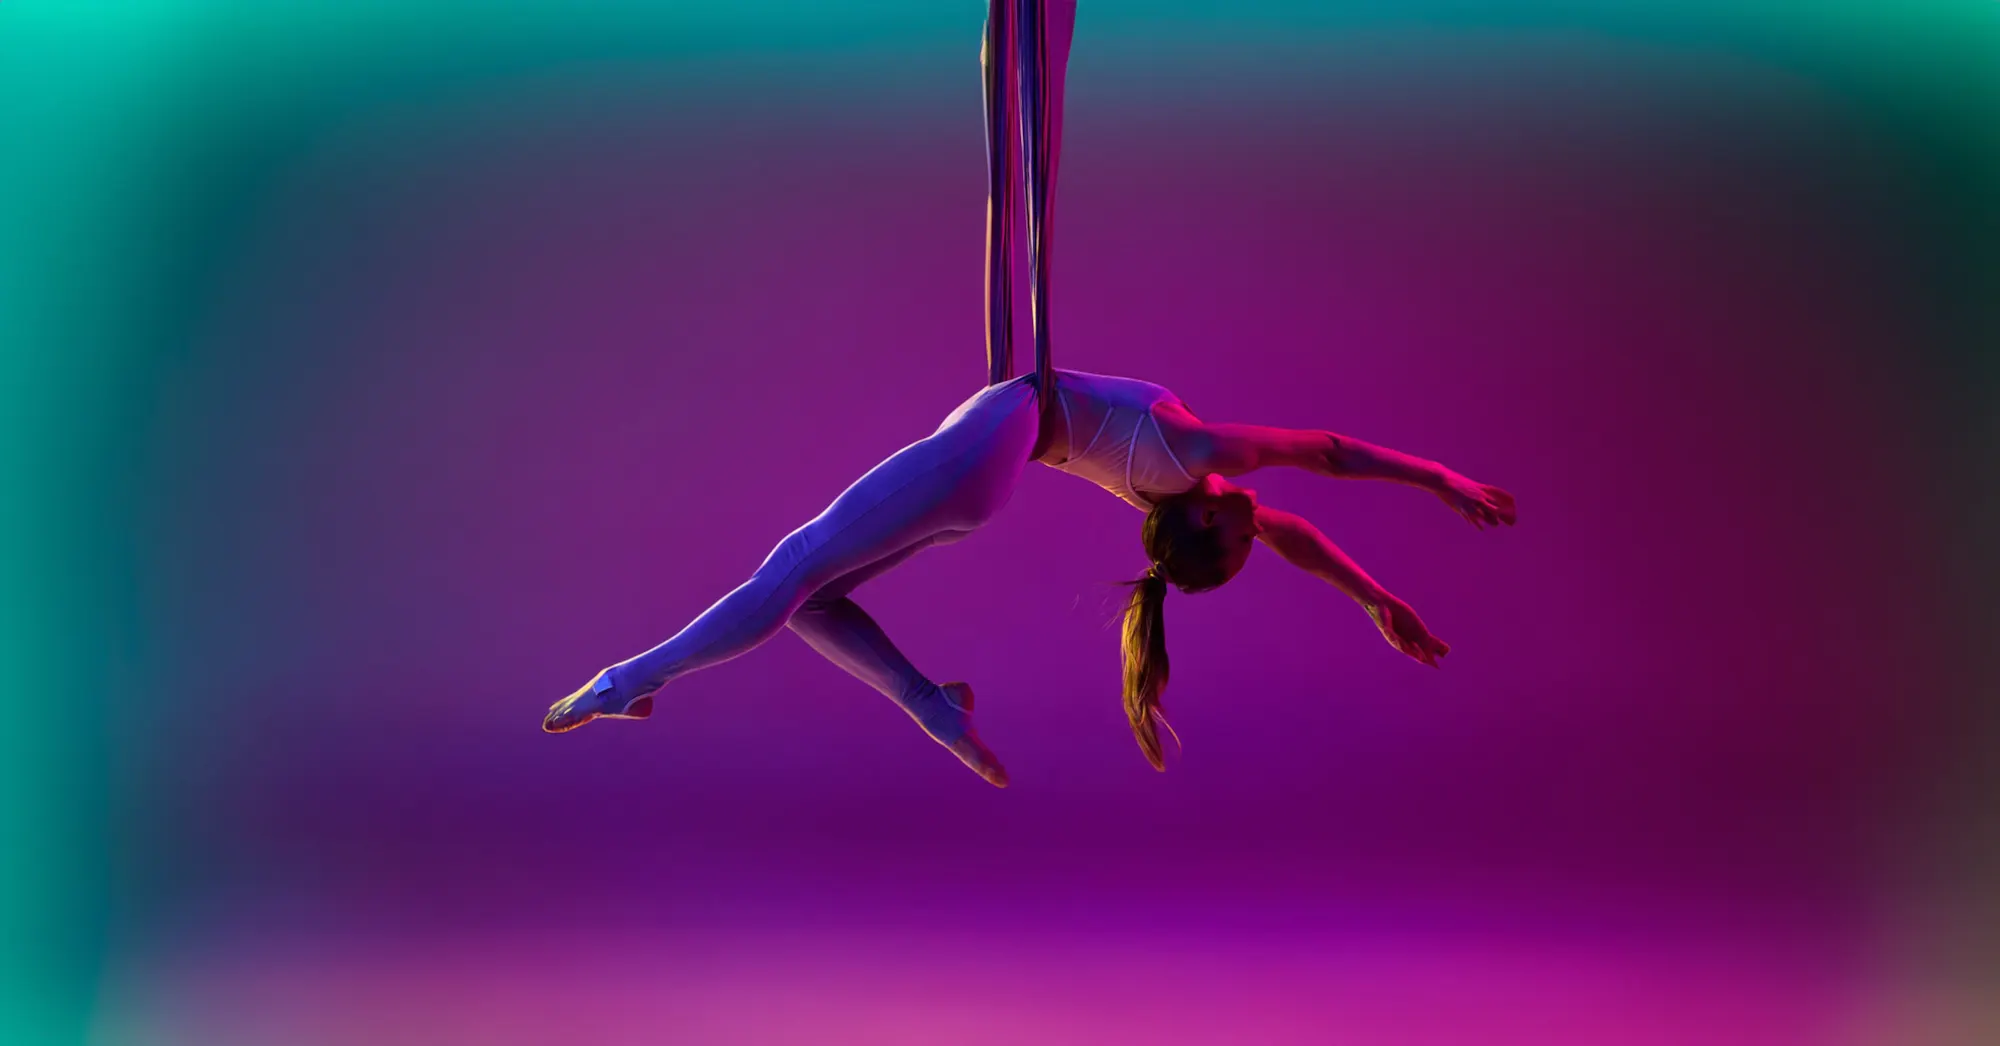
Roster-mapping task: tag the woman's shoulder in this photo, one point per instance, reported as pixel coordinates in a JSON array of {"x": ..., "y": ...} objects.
[{"x": 1189, "y": 439}]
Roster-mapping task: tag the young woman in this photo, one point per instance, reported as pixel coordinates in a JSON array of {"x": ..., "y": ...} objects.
[{"x": 1134, "y": 439}]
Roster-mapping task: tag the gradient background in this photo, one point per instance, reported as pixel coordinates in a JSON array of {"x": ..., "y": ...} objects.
[{"x": 375, "y": 372}]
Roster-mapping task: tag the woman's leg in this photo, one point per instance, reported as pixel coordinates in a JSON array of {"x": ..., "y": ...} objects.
[
  {"x": 840, "y": 630},
  {"x": 844, "y": 634},
  {"x": 946, "y": 484}
]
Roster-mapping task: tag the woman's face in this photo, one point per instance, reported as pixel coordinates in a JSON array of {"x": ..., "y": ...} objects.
[{"x": 1232, "y": 511}]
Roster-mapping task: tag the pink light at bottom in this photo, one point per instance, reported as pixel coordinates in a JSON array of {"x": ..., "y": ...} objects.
[{"x": 982, "y": 980}]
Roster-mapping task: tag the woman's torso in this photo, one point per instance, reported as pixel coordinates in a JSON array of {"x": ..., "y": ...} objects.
[{"x": 1106, "y": 432}]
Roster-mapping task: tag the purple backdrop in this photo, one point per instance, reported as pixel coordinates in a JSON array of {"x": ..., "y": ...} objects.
[{"x": 486, "y": 394}]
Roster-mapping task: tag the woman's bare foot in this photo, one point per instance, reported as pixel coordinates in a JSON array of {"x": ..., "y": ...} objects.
[
  {"x": 969, "y": 749},
  {"x": 598, "y": 699}
]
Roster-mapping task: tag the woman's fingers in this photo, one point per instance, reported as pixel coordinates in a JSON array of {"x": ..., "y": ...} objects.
[
  {"x": 1407, "y": 635},
  {"x": 1489, "y": 507},
  {"x": 1483, "y": 514},
  {"x": 1409, "y": 638}
]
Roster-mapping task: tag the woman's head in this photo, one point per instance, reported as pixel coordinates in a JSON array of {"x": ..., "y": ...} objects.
[
  {"x": 1197, "y": 540},
  {"x": 1200, "y": 538}
]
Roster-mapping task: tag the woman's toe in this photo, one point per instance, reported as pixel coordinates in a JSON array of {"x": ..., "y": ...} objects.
[
  {"x": 980, "y": 760},
  {"x": 564, "y": 715}
]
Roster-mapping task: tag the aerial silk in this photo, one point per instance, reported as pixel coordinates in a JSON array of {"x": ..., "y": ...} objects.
[{"x": 1024, "y": 59}]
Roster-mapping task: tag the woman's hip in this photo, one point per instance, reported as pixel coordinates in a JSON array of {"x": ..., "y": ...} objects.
[{"x": 955, "y": 479}]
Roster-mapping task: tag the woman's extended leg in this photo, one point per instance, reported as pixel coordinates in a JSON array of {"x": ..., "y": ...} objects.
[
  {"x": 836, "y": 626},
  {"x": 932, "y": 491},
  {"x": 839, "y": 629}
]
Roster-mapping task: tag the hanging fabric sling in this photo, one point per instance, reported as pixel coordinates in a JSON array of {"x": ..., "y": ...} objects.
[{"x": 1024, "y": 60}]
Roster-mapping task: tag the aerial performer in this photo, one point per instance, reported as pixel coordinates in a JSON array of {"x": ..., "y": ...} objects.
[{"x": 1135, "y": 439}]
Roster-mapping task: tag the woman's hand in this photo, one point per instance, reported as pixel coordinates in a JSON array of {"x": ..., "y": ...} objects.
[
  {"x": 1480, "y": 504},
  {"x": 1405, "y": 630}
]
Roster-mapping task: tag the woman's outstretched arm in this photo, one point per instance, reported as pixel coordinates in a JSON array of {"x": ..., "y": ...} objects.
[
  {"x": 1233, "y": 449},
  {"x": 1243, "y": 448},
  {"x": 1302, "y": 545}
]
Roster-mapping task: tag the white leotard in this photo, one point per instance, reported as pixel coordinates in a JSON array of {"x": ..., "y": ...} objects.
[{"x": 1110, "y": 437}]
